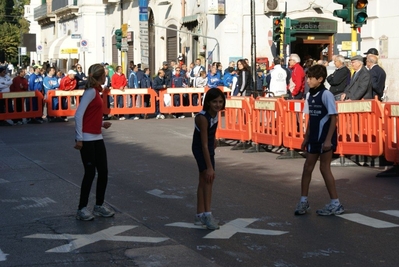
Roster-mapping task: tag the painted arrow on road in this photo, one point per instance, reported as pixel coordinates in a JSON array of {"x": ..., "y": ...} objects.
[
  {"x": 3, "y": 256},
  {"x": 159, "y": 193},
  {"x": 231, "y": 228},
  {"x": 106, "y": 234}
]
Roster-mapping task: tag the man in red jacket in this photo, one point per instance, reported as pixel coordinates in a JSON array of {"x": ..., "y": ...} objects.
[
  {"x": 19, "y": 84},
  {"x": 297, "y": 77},
  {"x": 119, "y": 81},
  {"x": 68, "y": 83}
]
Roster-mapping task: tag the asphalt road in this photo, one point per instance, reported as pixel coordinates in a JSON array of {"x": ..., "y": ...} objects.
[{"x": 152, "y": 186}]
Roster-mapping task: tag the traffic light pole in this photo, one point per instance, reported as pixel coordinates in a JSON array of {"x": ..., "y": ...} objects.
[{"x": 354, "y": 41}]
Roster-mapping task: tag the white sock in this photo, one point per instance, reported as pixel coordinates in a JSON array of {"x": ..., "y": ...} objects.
[
  {"x": 207, "y": 213},
  {"x": 199, "y": 215},
  {"x": 304, "y": 199},
  {"x": 335, "y": 202}
]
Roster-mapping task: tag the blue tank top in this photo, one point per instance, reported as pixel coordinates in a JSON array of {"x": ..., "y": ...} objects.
[
  {"x": 212, "y": 126},
  {"x": 319, "y": 119}
]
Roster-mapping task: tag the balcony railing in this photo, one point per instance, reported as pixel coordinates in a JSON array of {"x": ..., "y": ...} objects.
[{"x": 63, "y": 4}]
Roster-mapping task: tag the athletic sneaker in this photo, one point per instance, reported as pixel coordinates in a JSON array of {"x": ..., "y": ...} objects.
[
  {"x": 331, "y": 209},
  {"x": 210, "y": 222},
  {"x": 302, "y": 208},
  {"x": 122, "y": 118},
  {"x": 103, "y": 211},
  {"x": 84, "y": 214},
  {"x": 199, "y": 220}
]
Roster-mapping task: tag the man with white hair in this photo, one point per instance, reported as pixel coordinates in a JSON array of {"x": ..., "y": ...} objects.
[
  {"x": 340, "y": 78},
  {"x": 360, "y": 84},
  {"x": 297, "y": 82}
]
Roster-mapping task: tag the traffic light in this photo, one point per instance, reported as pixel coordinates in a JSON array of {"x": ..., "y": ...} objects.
[
  {"x": 346, "y": 12},
  {"x": 359, "y": 13},
  {"x": 277, "y": 29},
  {"x": 118, "y": 38},
  {"x": 289, "y": 30}
]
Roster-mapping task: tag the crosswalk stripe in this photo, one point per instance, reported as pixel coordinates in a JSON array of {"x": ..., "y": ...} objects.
[
  {"x": 368, "y": 221},
  {"x": 391, "y": 212}
]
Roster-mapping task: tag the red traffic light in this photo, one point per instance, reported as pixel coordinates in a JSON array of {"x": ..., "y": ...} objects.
[{"x": 277, "y": 22}]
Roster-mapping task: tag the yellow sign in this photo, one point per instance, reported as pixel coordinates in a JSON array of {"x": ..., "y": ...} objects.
[
  {"x": 347, "y": 45},
  {"x": 124, "y": 30},
  {"x": 69, "y": 51}
]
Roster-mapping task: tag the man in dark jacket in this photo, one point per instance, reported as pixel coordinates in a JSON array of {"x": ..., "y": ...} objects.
[
  {"x": 159, "y": 83},
  {"x": 340, "y": 78},
  {"x": 378, "y": 76},
  {"x": 360, "y": 84},
  {"x": 168, "y": 73},
  {"x": 146, "y": 82},
  {"x": 80, "y": 78}
]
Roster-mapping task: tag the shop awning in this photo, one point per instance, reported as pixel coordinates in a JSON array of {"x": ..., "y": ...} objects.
[
  {"x": 64, "y": 47},
  {"x": 189, "y": 19}
]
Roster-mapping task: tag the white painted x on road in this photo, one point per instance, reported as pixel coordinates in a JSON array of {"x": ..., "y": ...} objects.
[
  {"x": 231, "y": 228},
  {"x": 106, "y": 234}
]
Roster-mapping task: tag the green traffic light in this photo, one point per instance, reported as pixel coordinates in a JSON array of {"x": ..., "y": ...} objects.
[
  {"x": 359, "y": 13},
  {"x": 118, "y": 38},
  {"x": 346, "y": 12}
]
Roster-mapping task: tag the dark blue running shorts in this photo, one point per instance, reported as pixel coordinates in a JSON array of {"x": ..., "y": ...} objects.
[
  {"x": 199, "y": 157},
  {"x": 317, "y": 148}
]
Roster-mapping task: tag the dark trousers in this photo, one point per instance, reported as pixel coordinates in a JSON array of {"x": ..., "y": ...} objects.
[{"x": 94, "y": 157}]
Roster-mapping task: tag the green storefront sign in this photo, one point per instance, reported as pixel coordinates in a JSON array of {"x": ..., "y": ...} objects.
[{"x": 316, "y": 25}]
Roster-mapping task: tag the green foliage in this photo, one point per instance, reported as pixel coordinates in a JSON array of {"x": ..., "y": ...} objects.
[
  {"x": 12, "y": 26},
  {"x": 10, "y": 39}
]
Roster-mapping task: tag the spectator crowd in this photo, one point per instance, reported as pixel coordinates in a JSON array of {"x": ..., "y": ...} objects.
[{"x": 354, "y": 79}]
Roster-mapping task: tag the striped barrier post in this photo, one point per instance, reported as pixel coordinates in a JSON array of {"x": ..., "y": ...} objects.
[
  {"x": 295, "y": 123},
  {"x": 235, "y": 120},
  {"x": 59, "y": 102},
  {"x": 189, "y": 100},
  {"x": 134, "y": 101},
  {"x": 267, "y": 121},
  {"x": 19, "y": 105}
]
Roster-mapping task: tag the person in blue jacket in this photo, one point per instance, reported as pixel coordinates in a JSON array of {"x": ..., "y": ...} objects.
[
  {"x": 50, "y": 82},
  {"x": 35, "y": 84},
  {"x": 214, "y": 78},
  {"x": 228, "y": 78}
]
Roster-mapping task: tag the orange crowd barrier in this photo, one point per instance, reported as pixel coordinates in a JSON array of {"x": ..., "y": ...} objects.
[
  {"x": 294, "y": 121},
  {"x": 360, "y": 128},
  {"x": 235, "y": 120},
  {"x": 391, "y": 131},
  {"x": 19, "y": 105},
  {"x": 129, "y": 101},
  {"x": 267, "y": 121},
  {"x": 62, "y": 103},
  {"x": 181, "y": 100}
]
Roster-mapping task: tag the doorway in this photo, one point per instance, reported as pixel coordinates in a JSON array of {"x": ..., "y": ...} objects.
[{"x": 315, "y": 47}]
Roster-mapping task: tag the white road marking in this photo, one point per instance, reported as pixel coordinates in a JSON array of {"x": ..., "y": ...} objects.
[
  {"x": 3, "y": 256},
  {"x": 229, "y": 229},
  {"x": 40, "y": 203},
  {"x": 106, "y": 234},
  {"x": 159, "y": 193},
  {"x": 391, "y": 212},
  {"x": 3, "y": 181},
  {"x": 368, "y": 221}
]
